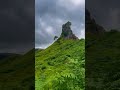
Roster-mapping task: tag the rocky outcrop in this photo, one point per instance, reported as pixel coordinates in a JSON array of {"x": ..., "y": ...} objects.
[
  {"x": 67, "y": 32},
  {"x": 91, "y": 26}
]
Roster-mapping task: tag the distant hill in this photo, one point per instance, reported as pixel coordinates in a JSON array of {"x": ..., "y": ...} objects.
[
  {"x": 5, "y": 55},
  {"x": 17, "y": 72},
  {"x": 61, "y": 65},
  {"x": 38, "y": 49}
]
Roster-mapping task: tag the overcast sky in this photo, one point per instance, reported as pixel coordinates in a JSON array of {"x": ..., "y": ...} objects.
[
  {"x": 17, "y": 26},
  {"x": 105, "y": 12},
  {"x": 51, "y": 14}
]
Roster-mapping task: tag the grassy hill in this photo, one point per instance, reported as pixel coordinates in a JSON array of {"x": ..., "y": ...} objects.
[
  {"x": 61, "y": 66},
  {"x": 17, "y": 72},
  {"x": 103, "y": 61},
  {"x": 5, "y": 55}
]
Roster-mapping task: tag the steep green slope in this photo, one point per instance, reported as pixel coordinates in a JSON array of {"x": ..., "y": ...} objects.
[
  {"x": 103, "y": 61},
  {"x": 16, "y": 72},
  {"x": 61, "y": 66}
]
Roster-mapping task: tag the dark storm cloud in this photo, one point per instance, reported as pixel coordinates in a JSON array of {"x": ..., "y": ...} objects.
[
  {"x": 51, "y": 14},
  {"x": 105, "y": 12},
  {"x": 16, "y": 25}
]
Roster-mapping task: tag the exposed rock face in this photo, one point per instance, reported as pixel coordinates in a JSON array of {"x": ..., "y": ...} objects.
[
  {"x": 91, "y": 26},
  {"x": 67, "y": 32}
]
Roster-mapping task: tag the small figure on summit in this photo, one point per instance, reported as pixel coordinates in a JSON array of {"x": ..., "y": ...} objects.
[{"x": 55, "y": 37}]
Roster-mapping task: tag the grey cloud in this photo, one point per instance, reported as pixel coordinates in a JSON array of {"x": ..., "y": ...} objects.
[
  {"x": 17, "y": 25},
  {"x": 53, "y": 15},
  {"x": 105, "y": 12}
]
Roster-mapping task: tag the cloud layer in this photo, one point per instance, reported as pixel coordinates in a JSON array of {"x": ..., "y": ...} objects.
[
  {"x": 16, "y": 25},
  {"x": 51, "y": 14},
  {"x": 105, "y": 12}
]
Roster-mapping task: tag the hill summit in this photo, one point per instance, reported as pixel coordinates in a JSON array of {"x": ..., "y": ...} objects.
[
  {"x": 67, "y": 32},
  {"x": 61, "y": 66},
  {"x": 91, "y": 25}
]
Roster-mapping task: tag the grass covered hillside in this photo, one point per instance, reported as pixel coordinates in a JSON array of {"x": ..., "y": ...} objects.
[
  {"x": 61, "y": 66},
  {"x": 103, "y": 61},
  {"x": 17, "y": 72}
]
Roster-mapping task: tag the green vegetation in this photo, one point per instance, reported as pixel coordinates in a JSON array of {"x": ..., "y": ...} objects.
[
  {"x": 103, "y": 61},
  {"x": 61, "y": 66},
  {"x": 16, "y": 72}
]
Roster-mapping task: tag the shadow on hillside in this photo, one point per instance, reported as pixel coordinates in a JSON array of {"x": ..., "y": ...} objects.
[
  {"x": 17, "y": 71},
  {"x": 102, "y": 57}
]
